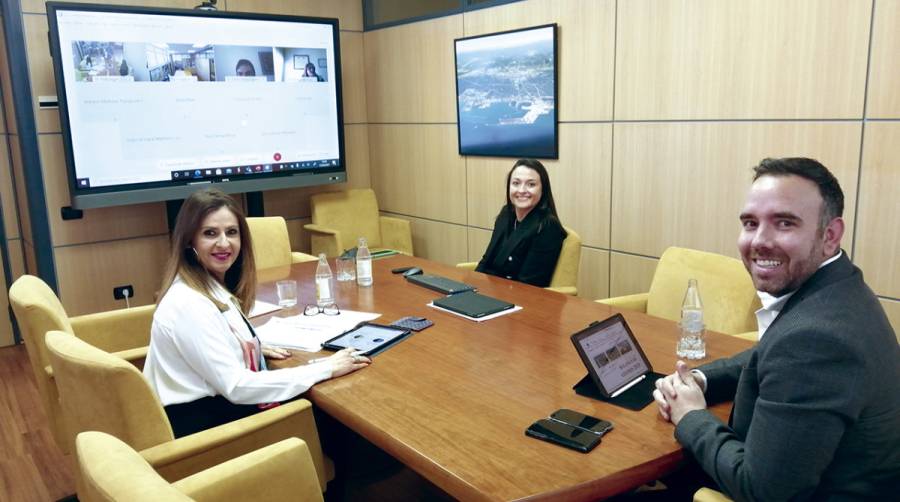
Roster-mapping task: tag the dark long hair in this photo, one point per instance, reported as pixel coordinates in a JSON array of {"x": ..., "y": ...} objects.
[
  {"x": 240, "y": 279},
  {"x": 546, "y": 204}
]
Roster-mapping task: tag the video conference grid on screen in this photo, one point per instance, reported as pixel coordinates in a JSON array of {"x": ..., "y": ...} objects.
[
  {"x": 613, "y": 356},
  {"x": 163, "y": 97}
]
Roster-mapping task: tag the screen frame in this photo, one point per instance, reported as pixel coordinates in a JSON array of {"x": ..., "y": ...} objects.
[
  {"x": 156, "y": 191},
  {"x": 585, "y": 359},
  {"x": 552, "y": 155}
]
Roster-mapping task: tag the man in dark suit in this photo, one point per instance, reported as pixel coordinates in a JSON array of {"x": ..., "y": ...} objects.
[{"x": 816, "y": 410}]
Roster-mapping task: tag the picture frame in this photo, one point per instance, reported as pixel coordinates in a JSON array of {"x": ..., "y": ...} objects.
[
  {"x": 300, "y": 61},
  {"x": 507, "y": 93}
]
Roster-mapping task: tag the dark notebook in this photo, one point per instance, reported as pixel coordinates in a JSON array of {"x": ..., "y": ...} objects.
[
  {"x": 472, "y": 304},
  {"x": 440, "y": 284}
]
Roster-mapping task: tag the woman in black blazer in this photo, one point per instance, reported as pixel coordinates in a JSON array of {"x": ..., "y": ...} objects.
[{"x": 527, "y": 235}]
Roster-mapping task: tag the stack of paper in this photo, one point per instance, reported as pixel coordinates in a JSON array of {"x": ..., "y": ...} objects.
[{"x": 308, "y": 332}]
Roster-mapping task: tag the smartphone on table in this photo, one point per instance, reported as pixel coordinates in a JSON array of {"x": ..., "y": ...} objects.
[
  {"x": 563, "y": 434},
  {"x": 582, "y": 421}
]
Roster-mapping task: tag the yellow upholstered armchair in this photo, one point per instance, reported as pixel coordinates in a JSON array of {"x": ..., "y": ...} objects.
[
  {"x": 339, "y": 219},
  {"x": 710, "y": 495},
  {"x": 112, "y": 471},
  {"x": 271, "y": 243},
  {"x": 729, "y": 298},
  {"x": 100, "y": 392},
  {"x": 565, "y": 275},
  {"x": 126, "y": 333}
]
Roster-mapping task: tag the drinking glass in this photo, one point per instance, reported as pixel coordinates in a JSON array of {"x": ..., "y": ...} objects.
[
  {"x": 287, "y": 293},
  {"x": 346, "y": 269}
]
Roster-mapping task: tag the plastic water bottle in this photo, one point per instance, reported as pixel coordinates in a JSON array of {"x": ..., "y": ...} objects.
[
  {"x": 363, "y": 264},
  {"x": 324, "y": 289},
  {"x": 691, "y": 344}
]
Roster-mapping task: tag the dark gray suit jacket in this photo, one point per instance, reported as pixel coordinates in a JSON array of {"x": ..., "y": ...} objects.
[{"x": 816, "y": 402}]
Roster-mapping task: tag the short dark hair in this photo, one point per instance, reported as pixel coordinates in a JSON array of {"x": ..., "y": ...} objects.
[
  {"x": 812, "y": 170},
  {"x": 546, "y": 203}
]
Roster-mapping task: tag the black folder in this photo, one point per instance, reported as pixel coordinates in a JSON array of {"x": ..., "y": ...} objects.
[
  {"x": 440, "y": 284},
  {"x": 472, "y": 304}
]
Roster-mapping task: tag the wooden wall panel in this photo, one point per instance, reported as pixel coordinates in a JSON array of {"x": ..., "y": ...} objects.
[
  {"x": 892, "y": 309},
  {"x": 30, "y": 259},
  {"x": 593, "y": 274},
  {"x": 16, "y": 255},
  {"x": 39, "y": 6},
  {"x": 100, "y": 267},
  {"x": 478, "y": 243},
  {"x": 586, "y": 41},
  {"x": 348, "y": 12},
  {"x": 8, "y": 122},
  {"x": 294, "y": 202},
  {"x": 884, "y": 72},
  {"x": 410, "y": 74},
  {"x": 7, "y": 192},
  {"x": 580, "y": 181},
  {"x": 732, "y": 59},
  {"x": 106, "y": 223},
  {"x": 683, "y": 184},
  {"x": 18, "y": 174},
  {"x": 630, "y": 274},
  {"x": 353, "y": 75},
  {"x": 417, "y": 171},
  {"x": 40, "y": 70},
  {"x": 438, "y": 241},
  {"x": 878, "y": 223},
  {"x": 299, "y": 237}
]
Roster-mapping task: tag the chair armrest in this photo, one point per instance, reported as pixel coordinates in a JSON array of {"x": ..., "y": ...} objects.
[
  {"x": 629, "y": 302},
  {"x": 710, "y": 495},
  {"x": 298, "y": 257},
  {"x": 324, "y": 240},
  {"x": 189, "y": 455},
  {"x": 396, "y": 234},
  {"x": 469, "y": 265},
  {"x": 281, "y": 471},
  {"x": 135, "y": 356},
  {"x": 566, "y": 290},
  {"x": 116, "y": 330},
  {"x": 753, "y": 336}
]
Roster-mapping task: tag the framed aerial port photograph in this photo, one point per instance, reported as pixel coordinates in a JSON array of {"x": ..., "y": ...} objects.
[{"x": 506, "y": 88}]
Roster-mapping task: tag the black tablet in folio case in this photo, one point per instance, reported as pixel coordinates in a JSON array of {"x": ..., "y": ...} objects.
[
  {"x": 472, "y": 304},
  {"x": 618, "y": 370},
  {"x": 368, "y": 338}
]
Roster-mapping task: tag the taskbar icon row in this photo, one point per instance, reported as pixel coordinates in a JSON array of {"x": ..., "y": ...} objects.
[{"x": 218, "y": 172}]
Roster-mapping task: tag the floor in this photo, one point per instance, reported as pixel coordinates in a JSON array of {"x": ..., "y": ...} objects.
[{"x": 32, "y": 468}]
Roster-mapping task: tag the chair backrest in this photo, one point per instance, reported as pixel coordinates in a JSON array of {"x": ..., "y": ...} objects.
[
  {"x": 101, "y": 392},
  {"x": 38, "y": 310},
  {"x": 566, "y": 271},
  {"x": 354, "y": 213},
  {"x": 271, "y": 243},
  {"x": 112, "y": 471},
  {"x": 726, "y": 290}
]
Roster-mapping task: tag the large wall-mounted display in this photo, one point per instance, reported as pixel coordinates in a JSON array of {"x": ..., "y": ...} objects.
[
  {"x": 154, "y": 101},
  {"x": 506, "y": 93}
]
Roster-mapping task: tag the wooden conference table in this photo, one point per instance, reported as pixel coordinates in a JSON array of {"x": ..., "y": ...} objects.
[{"x": 452, "y": 402}]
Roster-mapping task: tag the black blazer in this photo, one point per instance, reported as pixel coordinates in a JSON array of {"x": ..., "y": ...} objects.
[
  {"x": 816, "y": 410},
  {"x": 526, "y": 252}
]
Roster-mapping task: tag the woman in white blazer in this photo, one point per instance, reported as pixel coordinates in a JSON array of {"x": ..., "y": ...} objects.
[{"x": 205, "y": 362}]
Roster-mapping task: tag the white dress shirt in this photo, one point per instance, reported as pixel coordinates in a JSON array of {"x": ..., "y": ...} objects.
[
  {"x": 771, "y": 306},
  {"x": 194, "y": 353}
]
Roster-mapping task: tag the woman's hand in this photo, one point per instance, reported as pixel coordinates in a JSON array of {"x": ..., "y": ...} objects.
[
  {"x": 275, "y": 352},
  {"x": 347, "y": 361}
]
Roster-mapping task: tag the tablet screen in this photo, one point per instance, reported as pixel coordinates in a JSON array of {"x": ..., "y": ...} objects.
[
  {"x": 611, "y": 353},
  {"x": 366, "y": 338}
]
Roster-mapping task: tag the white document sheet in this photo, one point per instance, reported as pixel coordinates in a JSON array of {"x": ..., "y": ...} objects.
[
  {"x": 260, "y": 308},
  {"x": 308, "y": 332}
]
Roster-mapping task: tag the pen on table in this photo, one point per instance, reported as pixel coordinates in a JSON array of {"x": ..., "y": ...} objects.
[{"x": 319, "y": 360}]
